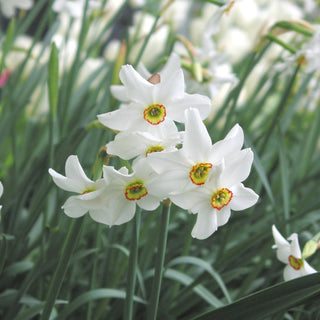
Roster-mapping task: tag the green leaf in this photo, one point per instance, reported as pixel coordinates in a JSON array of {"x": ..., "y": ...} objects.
[
  {"x": 94, "y": 295},
  {"x": 53, "y": 79},
  {"x": 272, "y": 300}
]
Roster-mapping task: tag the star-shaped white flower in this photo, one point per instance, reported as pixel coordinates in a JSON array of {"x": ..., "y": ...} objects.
[
  {"x": 222, "y": 192},
  {"x": 91, "y": 193},
  {"x": 151, "y": 103},
  {"x": 290, "y": 254},
  {"x": 188, "y": 168}
]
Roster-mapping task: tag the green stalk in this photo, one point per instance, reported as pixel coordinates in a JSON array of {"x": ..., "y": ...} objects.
[
  {"x": 132, "y": 270},
  {"x": 162, "y": 243},
  {"x": 60, "y": 272}
]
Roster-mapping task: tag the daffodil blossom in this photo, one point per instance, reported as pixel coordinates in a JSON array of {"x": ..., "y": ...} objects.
[
  {"x": 152, "y": 102},
  {"x": 128, "y": 145},
  {"x": 130, "y": 189},
  {"x": 222, "y": 192},
  {"x": 188, "y": 168},
  {"x": 91, "y": 193},
  {"x": 290, "y": 254}
]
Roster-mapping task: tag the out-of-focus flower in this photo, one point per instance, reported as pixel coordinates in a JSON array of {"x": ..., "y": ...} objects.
[
  {"x": 8, "y": 6},
  {"x": 74, "y": 8},
  {"x": 290, "y": 254},
  {"x": 1, "y": 192},
  {"x": 4, "y": 77},
  {"x": 150, "y": 104},
  {"x": 91, "y": 193},
  {"x": 128, "y": 145}
]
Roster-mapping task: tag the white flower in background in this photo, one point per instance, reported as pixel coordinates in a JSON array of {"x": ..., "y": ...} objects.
[
  {"x": 1, "y": 192},
  {"x": 290, "y": 254},
  {"x": 188, "y": 168},
  {"x": 91, "y": 193},
  {"x": 126, "y": 191},
  {"x": 8, "y": 6},
  {"x": 152, "y": 102},
  {"x": 310, "y": 51},
  {"x": 128, "y": 145},
  {"x": 222, "y": 192},
  {"x": 74, "y": 8}
]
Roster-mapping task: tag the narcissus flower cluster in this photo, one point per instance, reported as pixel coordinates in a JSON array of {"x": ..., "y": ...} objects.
[{"x": 197, "y": 175}]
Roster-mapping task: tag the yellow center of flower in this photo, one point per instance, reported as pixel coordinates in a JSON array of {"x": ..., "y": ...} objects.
[
  {"x": 135, "y": 190},
  {"x": 88, "y": 190},
  {"x": 199, "y": 173},
  {"x": 295, "y": 263},
  {"x": 154, "y": 149},
  {"x": 155, "y": 114},
  {"x": 221, "y": 198}
]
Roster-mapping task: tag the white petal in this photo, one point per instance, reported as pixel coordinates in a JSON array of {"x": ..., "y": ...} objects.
[
  {"x": 74, "y": 208},
  {"x": 294, "y": 246},
  {"x": 206, "y": 225},
  {"x": 197, "y": 142},
  {"x": 138, "y": 89},
  {"x": 120, "y": 93},
  {"x": 307, "y": 269},
  {"x": 1, "y": 189},
  {"x": 231, "y": 144},
  {"x": 149, "y": 202},
  {"x": 119, "y": 213},
  {"x": 74, "y": 170},
  {"x": 237, "y": 167},
  {"x": 143, "y": 71},
  {"x": 66, "y": 183},
  {"x": 282, "y": 245},
  {"x": 118, "y": 119},
  {"x": 289, "y": 273},
  {"x": 197, "y": 101},
  {"x": 192, "y": 200},
  {"x": 223, "y": 216},
  {"x": 242, "y": 198},
  {"x": 128, "y": 145}
]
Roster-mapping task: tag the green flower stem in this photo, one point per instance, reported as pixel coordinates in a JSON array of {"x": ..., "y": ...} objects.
[
  {"x": 60, "y": 272},
  {"x": 131, "y": 280},
  {"x": 162, "y": 243}
]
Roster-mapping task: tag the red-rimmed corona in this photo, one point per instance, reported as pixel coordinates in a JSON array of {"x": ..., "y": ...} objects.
[
  {"x": 199, "y": 173},
  {"x": 155, "y": 114},
  {"x": 221, "y": 198},
  {"x": 135, "y": 190}
]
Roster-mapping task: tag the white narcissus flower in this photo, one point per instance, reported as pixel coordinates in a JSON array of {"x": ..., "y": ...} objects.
[
  {"x": 290, "y": 254},
  {"x": 222, "y": 192},
  {"x": 152, "y": 102},
  {"x": 8, "y": 6},
  {"x": 188, "y": 168},
  {"x": 128, "y": 190},
  {"x": 91, "y": 193},
  {"x": 128, "y": 145}
]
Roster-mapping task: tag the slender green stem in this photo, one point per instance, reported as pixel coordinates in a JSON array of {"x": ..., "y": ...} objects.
[
  {"x": 162, "y": 243},
  {"x": 60, "y": 272},
  {"x": 132, "y": 270}
]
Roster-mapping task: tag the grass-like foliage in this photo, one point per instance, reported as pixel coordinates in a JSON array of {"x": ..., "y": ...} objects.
[{"x": 60, "y": 73}]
